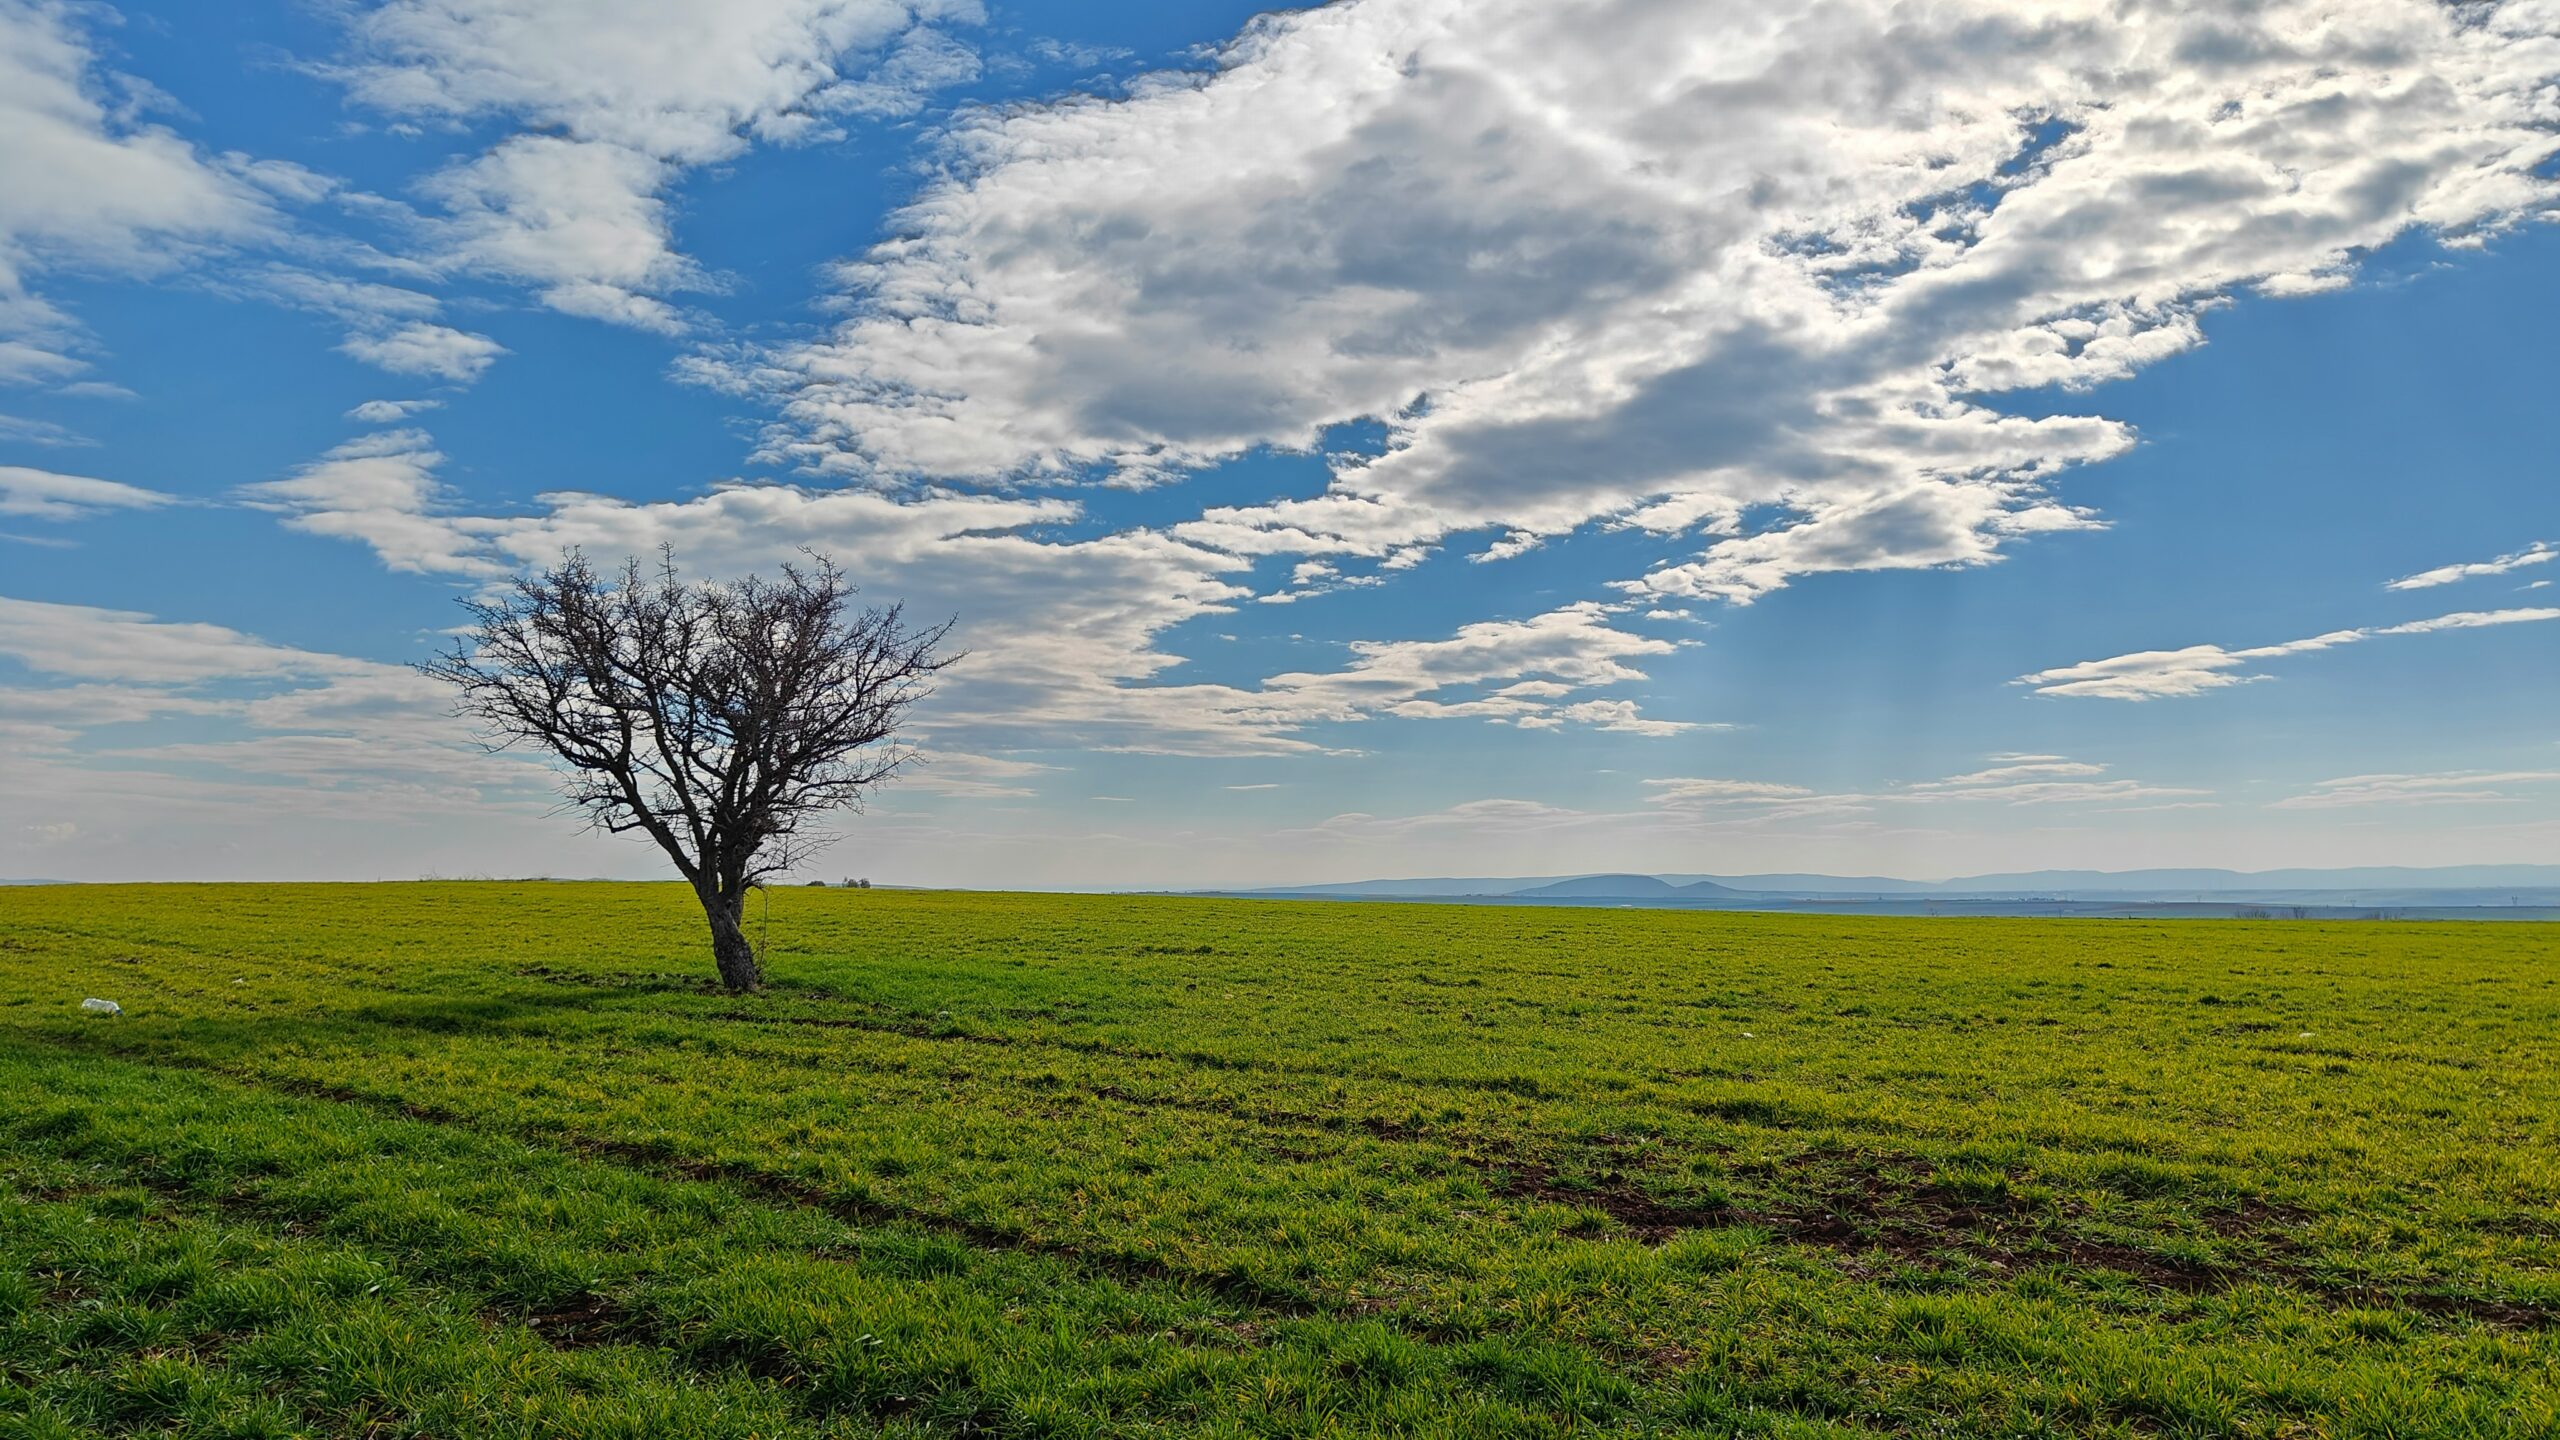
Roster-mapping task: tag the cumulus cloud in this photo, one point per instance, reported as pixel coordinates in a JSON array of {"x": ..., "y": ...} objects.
[
  {"x": 2539, "y": 552},
  {"x": 1754, "y": 270},
  {"x": 1744, "y": 282},
  {"x": 2166, "y": 674},
  {"x": 614, "y": 104},
  {"x": 437, "y": 352},
  {"x": 44, "y": 495},
  {"x": 1505, "y": 671}
]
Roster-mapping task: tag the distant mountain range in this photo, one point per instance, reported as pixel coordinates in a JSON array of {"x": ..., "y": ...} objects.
[
  {"x": 2368, "y": 888},
  {"x": 2442, "y": 877}
]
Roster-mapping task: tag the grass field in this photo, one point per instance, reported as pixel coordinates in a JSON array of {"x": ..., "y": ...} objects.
[{"x": 497, "y": 1160}]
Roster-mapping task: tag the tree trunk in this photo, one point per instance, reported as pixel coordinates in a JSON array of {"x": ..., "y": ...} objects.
[{"x": 739, "y": 969}]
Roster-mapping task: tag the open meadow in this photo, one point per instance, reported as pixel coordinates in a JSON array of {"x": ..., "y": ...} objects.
[{"x": 474, "y": 1159}]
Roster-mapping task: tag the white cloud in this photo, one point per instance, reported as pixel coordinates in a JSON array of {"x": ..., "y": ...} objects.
[
  {"x": 614, "y": 102},
  {"x": 1477, "y": 819},
  {"x": 584, "y": 221},
  {"x": 1739, "y": 275},
  {"x": 1692, "y": 790},
  {"x": 1534, "y": 661},
  {"x": 84, "y": 642},
  {"x": 25, "y": 362},
  {"x": 381, "y": 490},
  {"x": 1063, "y": 633},
  {"x": 294, "y": 748},
  {"x": 1619, "y": 715},
  {"x": 388, "y": 326},
  {"x": 2451, "y": 787},
  {"x": 45, "y": 495},
  {"x": 87, "y": 183},
  {"x": 50, "y": 719},
  {"x": 390, "y": 412},
  {"x": 2538, "y": 553},
  {"x": 437, "y": 351},
  {"x": 1078, "y": 56},
  {"x": 2037, "y": 780},
  {"x": 1674, "y": 264},
  {"x": 2165, "y": 674},
  {"x": 973, "y": 777},
  {"x": 1682, "y": 809},
  {"x": 40, "y": 432},
  {"x": 368, "y": 304},
  {"x": 1925, "y": 526},
  {"x": 2014, "y": 768},
  {"x": 2111, "y": 793}
]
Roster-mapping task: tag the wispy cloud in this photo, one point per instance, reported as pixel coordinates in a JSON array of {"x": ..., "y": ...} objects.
[
  {"x": 1062, "y": 630},
  {"x": 2168, "y": 674},
  {"x": 2445, "y": 787},
  {"x": 2538, "y": 553},
  {"x": 962, "y": 774},
  {"x": 380, "y": 489},
  {"x": 44, "y": 495},
  {"x": 2017, "y": 780},
  {"x": 390, "y": 412},
  {"x": 272, "y": 731},
  {"x": 93, "y": 184},
  {"x": 1683, "y": 809}
]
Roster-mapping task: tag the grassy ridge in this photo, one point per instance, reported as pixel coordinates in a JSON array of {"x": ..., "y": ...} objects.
[{"x": 1082, "y": 1165}]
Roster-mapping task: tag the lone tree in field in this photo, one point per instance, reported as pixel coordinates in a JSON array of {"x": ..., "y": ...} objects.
[{"x": 717, "y": 719}]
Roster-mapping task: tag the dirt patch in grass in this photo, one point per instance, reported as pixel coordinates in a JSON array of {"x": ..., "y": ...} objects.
[
  {"x": 1896, "y": 1206},
  {"x": 1643, "y": 1217},
  {"x": 578, "y": 1324},
  {"x": 1900, "y": 1209}
]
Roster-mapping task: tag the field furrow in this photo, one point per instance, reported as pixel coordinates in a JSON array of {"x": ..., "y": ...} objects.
[{"x": 1110, "y": 1166}]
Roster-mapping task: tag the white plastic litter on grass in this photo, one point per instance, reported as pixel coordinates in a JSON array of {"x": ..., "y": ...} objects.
[{"x": 96, "y": 1006}]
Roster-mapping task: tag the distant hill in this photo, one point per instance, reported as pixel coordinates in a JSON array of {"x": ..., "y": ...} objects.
[
  {"x": 2366, "y": 886},
  {"x": 1812, "y": 884},
  {"x": 2369, "y": 877},
  {"x": 1413, "y": 889},
  {"x": 1626, "y": 887}
]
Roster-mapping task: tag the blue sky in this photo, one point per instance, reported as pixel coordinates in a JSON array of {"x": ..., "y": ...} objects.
[{"x": 1397, "y": 438}]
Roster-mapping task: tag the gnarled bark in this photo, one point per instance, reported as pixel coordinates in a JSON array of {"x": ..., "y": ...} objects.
[{"x": 740, "y": 969}]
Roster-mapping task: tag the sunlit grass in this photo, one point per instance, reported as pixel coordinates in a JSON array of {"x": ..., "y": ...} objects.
[{"x": 1080, "y": 1165}]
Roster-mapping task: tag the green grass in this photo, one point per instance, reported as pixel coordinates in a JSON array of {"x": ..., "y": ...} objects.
[{"x": 498, "y": 1160}]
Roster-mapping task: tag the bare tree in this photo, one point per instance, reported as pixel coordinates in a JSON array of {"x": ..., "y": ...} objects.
[{"x": 717, "y": 719}]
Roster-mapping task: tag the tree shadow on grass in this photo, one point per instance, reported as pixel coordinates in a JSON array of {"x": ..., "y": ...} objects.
[{"x": 214, "y": 1041}]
